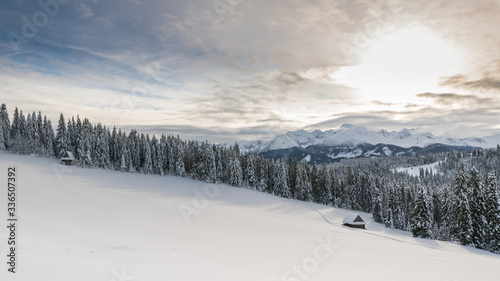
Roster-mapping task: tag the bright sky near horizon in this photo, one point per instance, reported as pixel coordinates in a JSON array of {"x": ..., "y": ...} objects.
[{"x": 227, "y": 70}]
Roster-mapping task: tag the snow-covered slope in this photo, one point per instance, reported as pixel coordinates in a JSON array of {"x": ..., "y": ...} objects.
[
  {"x": 78, "y": 224},
  {"x": 351, "y": 135}
]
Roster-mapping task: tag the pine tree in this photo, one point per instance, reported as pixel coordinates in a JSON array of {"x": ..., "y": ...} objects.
[
  {"x": 388, "y": 219},
  {"x": 148, "y": 164},
  {"x": 461, "y": 220},
  {"x": 377, "y": 202},
  {"x": 305, "y": 192},
  {"x": 21, "y": 143},
  {"x": 338, "y": 189},
  {"x": 235, "y": 172},
  {"x": 324, "y": 185},
  {"x": 72, "y": 137},
  {"x": 280, "y": 185},
  {"x": 250, "y": 170},
  {"x": 209, "y": 164},
  {"x": 116, "y": 148},
  {"x": 30, "y": 135},
  {"x": 39, "y": 134},
  {"x": 48, "y": 136},
  {"x": 179, "y": 161},
  {"x": 4, "y": 128},
  {"x": 172, "y": 156},
  {"x": 101, "y": 147},
  {"x": 299, "y": 192},
  {"x": 477, "y": 208},
  {"x": 61, "y": 141},
  {"x": 156, "y": 156},
  {"x": 315, "y": 183},
  {"x": 292, "y": 177},
  {"x": 421, "y": 221},
  {"x": 261, "y": 170},
  {"x": 164, "y": 153},
  {"x": 84, "y": 150},
  {"x": 219, "y": 175},
  {"x": 395, "y": 205},
  {"x": 3, "y": 145},
  {"x": 444, "y": 226},
  {"x": 493, "y": 214},
  {"x": 15, "y": 130},
  {"x": 123, "y": 163}
]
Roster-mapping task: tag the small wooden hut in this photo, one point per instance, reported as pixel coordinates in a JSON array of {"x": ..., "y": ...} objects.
[
  {"x": 68, "y": 158},
  {"x": 354, "y": 220}
]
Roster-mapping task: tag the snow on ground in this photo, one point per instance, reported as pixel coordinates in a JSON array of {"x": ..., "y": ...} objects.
[
  {"x": 91, "y": 224},
  {"x": 349, "y": 154},
  {"x": 415, "y": 171},
  {"x": 308, "y": 158}
]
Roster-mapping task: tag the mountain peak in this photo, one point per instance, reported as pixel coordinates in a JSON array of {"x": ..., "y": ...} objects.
[{"x": 347, "y": 126}]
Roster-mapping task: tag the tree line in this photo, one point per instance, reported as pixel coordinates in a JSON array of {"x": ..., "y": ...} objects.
[{"x": 457, "y": 204}]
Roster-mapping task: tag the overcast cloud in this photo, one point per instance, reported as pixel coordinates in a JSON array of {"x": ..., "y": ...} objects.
[{"x": 245, "y": 69}]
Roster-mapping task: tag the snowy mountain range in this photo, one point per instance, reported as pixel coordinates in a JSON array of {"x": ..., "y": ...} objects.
[{"x": 349, "y": 141}]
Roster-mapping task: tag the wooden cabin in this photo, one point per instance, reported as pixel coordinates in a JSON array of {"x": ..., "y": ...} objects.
[
  {"x": 354, "y": 220},
  {"x": 68, "y": 158}
]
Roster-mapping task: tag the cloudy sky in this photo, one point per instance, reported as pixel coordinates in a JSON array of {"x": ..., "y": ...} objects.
[{"x": 226, "y": 70}]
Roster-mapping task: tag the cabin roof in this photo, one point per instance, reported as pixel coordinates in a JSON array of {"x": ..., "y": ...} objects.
[
  {"x": 353, "y": 219},
  {"x": 68, "y": 155}
]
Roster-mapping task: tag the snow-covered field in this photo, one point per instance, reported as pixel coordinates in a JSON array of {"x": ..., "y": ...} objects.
[
  {"x": 415, "y": 171},
  {"x": 78, "y": 224}
]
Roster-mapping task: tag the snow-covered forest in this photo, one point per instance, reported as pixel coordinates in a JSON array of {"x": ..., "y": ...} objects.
[{"x": 461, "y": 203}]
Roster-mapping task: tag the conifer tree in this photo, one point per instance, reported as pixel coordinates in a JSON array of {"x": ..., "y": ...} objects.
[
  {"x": 180, "y": 169},
  {"x": 4, "y": 128},
  {"x": 325, "y": 184},
  {"x": 114, "y": 153},
  {"x": 219, "y": 175},
  {"x": 15, "y": 130},
  {"x": 292, "y": 177},
  {"x": 148, "y": 164},
  {"x": 156, "y": 156},
  {"x": 164, "y": 152},
  {"x": 61, "y": 141},
  {"x": 280, "y": 185},
  {"x": 22, "y": 140},
  {"x": 235, "y": 172},
  {"x": 101, "y": 147},
  {"x": 39, "y": 133},
  {"x": 172, "y": 156},
  {"x": 421, "y": 219},
  {"x": 84, "y": 148},
  {"x": 31, "y": 136},
  {"x": 377, "y": 202},
  {"x": 477, "y": 208},
  {"x": 209, "y": 164},
  {"x": 315, "y": 183},
  {"x": 250, "y": 170},
  {"x": 444, "y": 225},
  {"x": 261, "y": 169},
  {"x": 305, "y": 192},
  {"x": 3, "y": 145},
  {"x": 48, "y": 136},
  {"x": 493, "y": 213},
  {"x": 123, "y": 163},
  {"x": 461, "y": 220}
]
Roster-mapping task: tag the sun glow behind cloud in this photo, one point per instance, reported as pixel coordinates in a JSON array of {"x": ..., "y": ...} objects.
[
  {"x": 399, "y": 65},
  {"x": 271, "y": 66}
]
